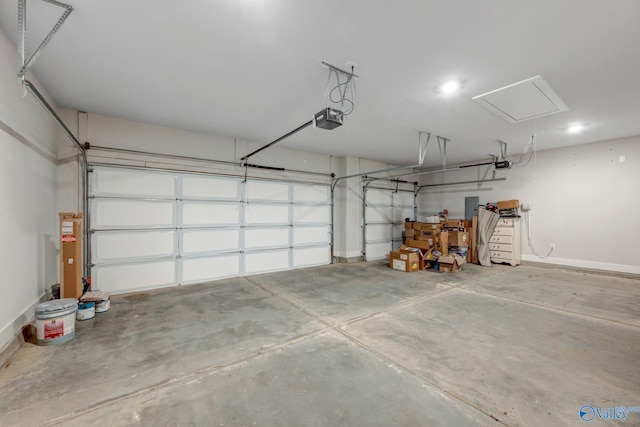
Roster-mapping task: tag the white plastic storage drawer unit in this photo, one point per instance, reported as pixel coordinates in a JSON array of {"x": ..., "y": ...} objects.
[{"x": 504, "y": 244}]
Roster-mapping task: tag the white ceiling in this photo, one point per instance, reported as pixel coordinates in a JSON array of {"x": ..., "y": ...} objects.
[{"x": 251, "y": 68}]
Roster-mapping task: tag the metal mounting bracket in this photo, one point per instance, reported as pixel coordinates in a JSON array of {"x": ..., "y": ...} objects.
[
  {"x": 442, "y": 145},
  {"x": 503, "y": 149},
  {"x": 422, "y": 146},
  {"x": 22, "y": 29},
  {"x": 338, "y": 70}
]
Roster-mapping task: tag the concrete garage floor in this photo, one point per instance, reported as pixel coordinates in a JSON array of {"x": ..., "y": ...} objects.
[{"x": 344, "y": 344}]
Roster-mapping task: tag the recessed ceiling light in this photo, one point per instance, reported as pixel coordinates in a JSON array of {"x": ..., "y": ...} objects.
[
  {"x": 450, "y": 87},
  {"x": 577, "y": 128}
]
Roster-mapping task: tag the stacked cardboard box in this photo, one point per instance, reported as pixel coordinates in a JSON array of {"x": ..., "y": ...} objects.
[
  {"x": 426, "y": 237},
  {"x": 460, "y": 237},
  {"x": 445, "y": 239}
]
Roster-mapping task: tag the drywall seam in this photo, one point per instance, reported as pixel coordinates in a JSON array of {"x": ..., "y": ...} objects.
[
  {"x": 18, "y": 137},
  {"x": 622, "y": 268}
]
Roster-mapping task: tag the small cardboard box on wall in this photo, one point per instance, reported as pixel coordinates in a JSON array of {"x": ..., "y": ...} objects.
[{"x": 70, "y": 255}]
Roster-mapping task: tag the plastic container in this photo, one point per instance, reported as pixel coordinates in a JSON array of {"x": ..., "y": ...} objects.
[
  {"x": 86, "y": 310},
  {"x": 103, "y": 306},
  {"x": 56, "y": 321}
]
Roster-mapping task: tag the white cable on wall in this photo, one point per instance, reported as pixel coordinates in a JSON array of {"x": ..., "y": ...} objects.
[{"x": 530, "y": 242}]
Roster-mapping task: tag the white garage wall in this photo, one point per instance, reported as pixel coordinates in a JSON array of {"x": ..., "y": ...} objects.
[
  {"x": 584, "y": 200},
  {"x": 27, "y": 193}
]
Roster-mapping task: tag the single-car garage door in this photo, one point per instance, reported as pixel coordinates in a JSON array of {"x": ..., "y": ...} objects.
[
  {"x": 152, "y": 229},
  {"x": 383, "y": 217}
]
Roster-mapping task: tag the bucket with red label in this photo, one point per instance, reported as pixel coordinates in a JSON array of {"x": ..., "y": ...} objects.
[{"x": 56, "y": 321}]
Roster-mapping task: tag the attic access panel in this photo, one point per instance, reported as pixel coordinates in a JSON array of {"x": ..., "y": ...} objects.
[{"x": 525, "y": 100}]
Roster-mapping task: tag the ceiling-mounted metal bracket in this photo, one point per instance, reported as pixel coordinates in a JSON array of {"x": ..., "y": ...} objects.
[
  {"x": 503, "y": 149},
  {"x": 422, "y": 145},
  {"x": 22, "y": 29},
  {"x": 338, "y": 70},
  {"x": 345, "y": 86},
  {"x": 442, "y": 145}
]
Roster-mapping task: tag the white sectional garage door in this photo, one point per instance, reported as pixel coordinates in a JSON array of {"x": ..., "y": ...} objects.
[
  {"x": 384, "y": 213},
  {"x": 153, "y": 229}
]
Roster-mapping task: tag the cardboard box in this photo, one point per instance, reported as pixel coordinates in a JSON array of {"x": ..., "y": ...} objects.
[
  {"x": 423, "y": 245},
  {"x": 409, "y": 225},
  {"x": 409, "y": 234},
  {"x": 459, "y": 238},
  {"x": 454, "y": 223},
  {"x": 442, "y": 245},
  {"x": 424, "y": 235},
  {"x": 418, "y": 251},
  {"x": 404, "y": 261},
  {"x": 450, "y": 263},
  {"x": 70, "y": 255},
  {"x": 429, "y": 240},
  {"x": 430, "y": 227},
  {"x": 508, "y": 204}
]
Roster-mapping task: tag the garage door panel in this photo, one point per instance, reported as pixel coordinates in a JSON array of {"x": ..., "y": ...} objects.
[
  {"x": 107, "y": 213},
  {"x": 303, "y": 257},
  {"x": 403, "y": 198},
  {"x": 130, "y": 277},
  {"x": 271, "y": 191},
  {"x": 108, "y": 246},
  {"x": 210, "y": 213},
  {"x": 211, "y": 268},
  {"x": 377, "y": 250},
  {"x": 262, "y": 262},
  {"x": 133, "y": 183},
  {"x": 311, "y": 214},
  {"x": 266, "y": 237},
  {"x": 378, "y": 197},
  {"x": 378, "y": 232},
  {"x": 311, "y": 235},
  {"x": 397, "y": 231},
  {"x": 311, "y": 194},
  {"x": 210, "y": 188},
  {"x": 199, "y": 241},
  {"x": 267, "y": 214},
  {"x": 378, "y": 214},
  {"x": 400, "y": 214}
]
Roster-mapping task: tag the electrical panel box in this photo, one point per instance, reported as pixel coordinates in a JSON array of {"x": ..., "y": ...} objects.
[{"x": 471, "y": 206}]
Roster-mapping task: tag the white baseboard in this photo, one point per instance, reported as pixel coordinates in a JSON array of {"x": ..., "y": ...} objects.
[
  {"x": 593, "y": 265},
  {"x": 14, "y": 328}
]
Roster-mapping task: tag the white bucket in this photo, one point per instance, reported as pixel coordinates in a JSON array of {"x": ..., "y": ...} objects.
[
  {"x": 86, "y": 310},
  {"x": 103, "y": 306},
  {"x": 56, "y": 321}
]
